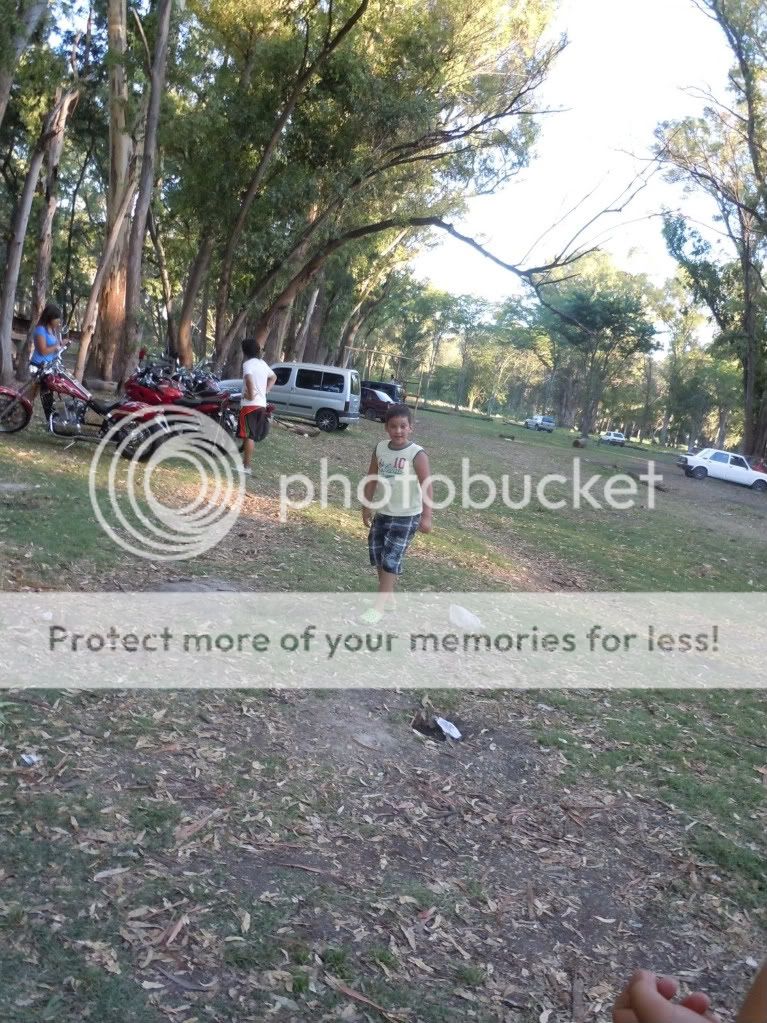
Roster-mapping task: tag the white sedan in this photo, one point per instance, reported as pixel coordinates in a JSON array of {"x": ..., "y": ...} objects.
[
  {"x": 722, "y": 465},
  {"x": 612, "y": 437}
]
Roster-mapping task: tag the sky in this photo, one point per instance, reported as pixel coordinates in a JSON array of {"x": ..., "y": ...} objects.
[{"x": 629, "y": 65}]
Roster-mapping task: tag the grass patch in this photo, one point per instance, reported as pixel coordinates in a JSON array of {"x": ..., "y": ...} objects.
[
  {"x": 702, "y": 753},
  {"x": 470, "y": 976},
  {"x": 336, "y": 961}
]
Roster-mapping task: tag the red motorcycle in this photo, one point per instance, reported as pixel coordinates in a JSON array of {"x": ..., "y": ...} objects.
[
  {"x": 69, "y": 410},
  {"x": 190, "y": 389}
]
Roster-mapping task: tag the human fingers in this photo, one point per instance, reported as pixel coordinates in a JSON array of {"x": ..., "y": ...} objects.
[
  {"x": 668, "y": 987},
  {"x": 651, "y": 1006},
  {"x": 623, "y": 1010},
  {"x": 697, "y": 1002}
]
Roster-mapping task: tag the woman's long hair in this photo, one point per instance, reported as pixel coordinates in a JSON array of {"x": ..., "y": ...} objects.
[{"x": 50, "y": 313}]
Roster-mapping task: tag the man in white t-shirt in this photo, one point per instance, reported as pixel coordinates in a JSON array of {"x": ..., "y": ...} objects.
[{"x": 257, "y": 381}]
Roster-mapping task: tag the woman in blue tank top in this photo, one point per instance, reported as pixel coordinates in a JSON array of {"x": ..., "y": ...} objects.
[{"x": 46, "y": 343}]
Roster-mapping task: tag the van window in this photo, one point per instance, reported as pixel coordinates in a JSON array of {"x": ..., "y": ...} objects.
[
  {"x": 719, "y": 456},
  {"x": 739, "y": 462},
  {"x": 333, "y": 382},
  {"x": 310, "y": 379},
  {"x": 355, "y": 388},
  {"x": 283, "y": 375}
]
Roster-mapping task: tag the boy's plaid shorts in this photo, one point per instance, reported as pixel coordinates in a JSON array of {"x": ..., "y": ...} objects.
[{"x": 389, "y": 538}]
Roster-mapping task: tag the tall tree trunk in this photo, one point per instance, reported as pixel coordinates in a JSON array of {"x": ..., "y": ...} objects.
[
  {"x": 23, "y": 22},
  {"x": 197, "y": 273},
  {"x": 347, "y": 339},
  {"x": 167, "y": 292},
  {"x": 282, "y": 333},
  {"x": 18, "y": 231},
  {"x": 145, "y": 189},
  {"x": 65, "y": 105},
  {"x": 201, "y": 348},
  {"x": 291, "y": 335},
  {"x": 111, "y": 318},
  {"x": 432, "y": 364},
  {"x": 760, "y": 440},
  {"x": 750, "y": 365},
  {"x": 68, "y": 298},
  {"x": 104, "y": 267},
  {"x": 303, "y": 331},
  {"x": 312, "y": 349},
  {"x": 591, "y": 397}
]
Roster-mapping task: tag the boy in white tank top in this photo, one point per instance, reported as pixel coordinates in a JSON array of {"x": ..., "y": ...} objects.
[{"x": 400, "y": 479}]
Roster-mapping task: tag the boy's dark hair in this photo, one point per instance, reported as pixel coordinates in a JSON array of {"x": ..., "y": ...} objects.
[
  {"x": 397, "y": 410},
  {"x": 50, "y": 313},
  {"x": 251, "y": 349}
]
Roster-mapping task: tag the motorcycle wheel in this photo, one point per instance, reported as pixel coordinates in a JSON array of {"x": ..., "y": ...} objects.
[
  {"x": 14, "y": 415},
  {"x": 137, "y": 438}
]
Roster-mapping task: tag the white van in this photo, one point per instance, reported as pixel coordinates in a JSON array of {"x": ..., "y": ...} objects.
[{"x": 327, "y": 395}]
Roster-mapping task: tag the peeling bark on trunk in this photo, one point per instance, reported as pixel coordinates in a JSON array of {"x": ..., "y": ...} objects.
[{"x": 111, "y": 313}]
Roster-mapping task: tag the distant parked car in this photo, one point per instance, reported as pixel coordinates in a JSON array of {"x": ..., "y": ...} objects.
[
  {"x": 546, "y": 423},
  {"x": 373, "y": 404},
  {"x": 327, "y": 395},
  {"x": 233, "y": 388},
  {"x": 612, "y": 437},
  {"x": 723, "y": 466},
  {"x": 395, "y": 391}
]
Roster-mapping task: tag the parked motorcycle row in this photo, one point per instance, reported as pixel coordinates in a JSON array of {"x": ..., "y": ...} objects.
[{"x": 71, "y": 412}]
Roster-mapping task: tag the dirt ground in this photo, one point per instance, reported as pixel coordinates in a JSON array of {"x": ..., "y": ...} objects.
[{"x": 302, "y": 857}]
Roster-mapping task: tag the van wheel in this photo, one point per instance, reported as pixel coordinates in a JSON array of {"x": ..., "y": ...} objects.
[
  {"x": 327, "y": 420},
  {"x": 759, "y": 485},
  {"x": 699, "y": 472}
]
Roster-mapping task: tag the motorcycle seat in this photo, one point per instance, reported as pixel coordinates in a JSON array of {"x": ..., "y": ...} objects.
[
  {"x": 104, "y": 407},
  {"x": 194, "y": 402}
]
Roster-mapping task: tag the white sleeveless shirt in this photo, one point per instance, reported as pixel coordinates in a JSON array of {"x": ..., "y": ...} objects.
[{"x": 397, "y": 468}]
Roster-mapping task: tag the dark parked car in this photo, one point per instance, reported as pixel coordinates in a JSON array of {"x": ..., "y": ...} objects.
[
  {"x": 373, "y": 403},
  {"x": 395, "y": 391}
]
